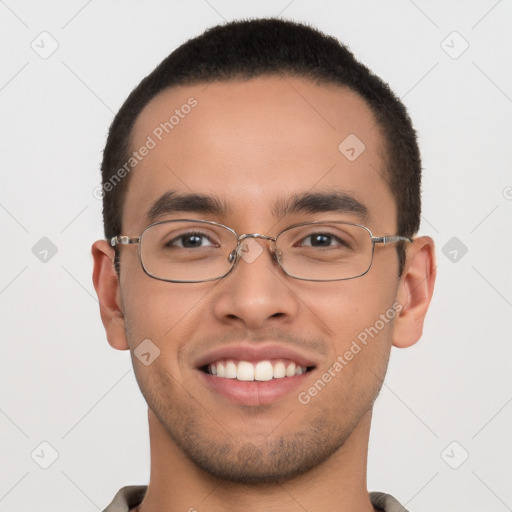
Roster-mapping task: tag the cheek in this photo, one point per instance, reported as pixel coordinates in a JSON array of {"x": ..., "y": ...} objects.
[
  {"x": 165, "y": 313},
  {"x": 363, "y": 338},
  {"x": 359, "y": 314},
  {"x": 346, "y": 308},
  {"x": 361, "y": 326}
]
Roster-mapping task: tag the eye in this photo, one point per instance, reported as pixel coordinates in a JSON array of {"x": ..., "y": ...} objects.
[
  {"x": 324, "y": 240},
  {"x": 190, "y": 241}
]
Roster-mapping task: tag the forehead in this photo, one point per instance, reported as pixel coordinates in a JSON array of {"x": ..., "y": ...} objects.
[{"x": 252, "y": 144}]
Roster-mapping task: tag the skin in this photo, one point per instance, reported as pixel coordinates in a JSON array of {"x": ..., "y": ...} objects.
[{"x": 250, "y": 142}]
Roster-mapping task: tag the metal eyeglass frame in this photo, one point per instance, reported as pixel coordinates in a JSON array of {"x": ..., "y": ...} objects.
[{"x": 234, "y": 255}]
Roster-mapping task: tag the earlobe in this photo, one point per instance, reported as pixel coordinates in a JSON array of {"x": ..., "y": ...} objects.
[
  {"x": 106, "y": 284},
  {"x": 415, "y": 291}
]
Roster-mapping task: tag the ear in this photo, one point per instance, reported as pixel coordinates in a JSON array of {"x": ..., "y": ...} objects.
[
  {"x": 415, "y": 291},
  {"x": 107, "y": 288}
]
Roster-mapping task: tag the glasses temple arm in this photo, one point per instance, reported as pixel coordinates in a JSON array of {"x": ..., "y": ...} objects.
[
  {"x": 123, "y": 240},
  {"x": 390, "y": 239}
]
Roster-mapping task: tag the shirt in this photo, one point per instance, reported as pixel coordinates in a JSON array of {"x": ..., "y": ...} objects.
[{"x": 130, "y": 496}]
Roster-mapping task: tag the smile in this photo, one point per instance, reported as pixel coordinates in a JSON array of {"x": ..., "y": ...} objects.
[
  {"x": 247, "y": 371},
  {"x": 255, "y": 374}
]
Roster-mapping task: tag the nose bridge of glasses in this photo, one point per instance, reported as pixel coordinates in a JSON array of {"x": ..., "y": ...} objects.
[
  {"x": 241, "y": 238},
  {"x": 246, "y": 236}
]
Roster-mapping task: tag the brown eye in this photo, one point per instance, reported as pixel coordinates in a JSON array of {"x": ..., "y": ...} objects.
[{"x": 189, "y": 241}]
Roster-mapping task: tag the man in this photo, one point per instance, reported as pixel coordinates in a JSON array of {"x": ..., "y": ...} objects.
[{"x": 261, "y": 200}]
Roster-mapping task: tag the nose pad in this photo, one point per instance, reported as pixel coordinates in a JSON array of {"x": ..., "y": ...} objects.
[{"x": 273, "y": 253}]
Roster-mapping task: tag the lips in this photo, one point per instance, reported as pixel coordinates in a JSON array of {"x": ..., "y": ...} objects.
[{"x": 253, "y": 375}]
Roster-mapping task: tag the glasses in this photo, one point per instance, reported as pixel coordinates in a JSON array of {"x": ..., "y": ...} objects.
[{"x": 194, "y": 251}]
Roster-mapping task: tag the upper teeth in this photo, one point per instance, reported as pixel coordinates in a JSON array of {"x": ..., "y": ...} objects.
[{"x": 262, "y": 370}]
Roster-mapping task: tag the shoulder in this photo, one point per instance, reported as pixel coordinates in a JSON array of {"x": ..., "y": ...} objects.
[
  {"x": 386, "y": 502},
  {"x": 127, "y": 497}
]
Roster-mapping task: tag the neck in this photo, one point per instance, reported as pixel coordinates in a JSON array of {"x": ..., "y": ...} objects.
[{"x": 338, "y": 484}]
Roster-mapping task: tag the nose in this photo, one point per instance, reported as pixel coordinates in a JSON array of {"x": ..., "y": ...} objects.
[{"x": 256, "y": 291}]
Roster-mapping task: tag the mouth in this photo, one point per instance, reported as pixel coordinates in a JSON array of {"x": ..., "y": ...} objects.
[
  {"x": 254, "y": 375},
  {"x": 261, "y": 371}
]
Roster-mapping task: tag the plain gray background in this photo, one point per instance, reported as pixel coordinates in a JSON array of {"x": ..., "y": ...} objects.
[{"x": 446, "y": 398}]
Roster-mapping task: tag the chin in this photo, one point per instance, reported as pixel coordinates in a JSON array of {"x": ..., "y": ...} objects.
[{"x": 272, "y": 460}]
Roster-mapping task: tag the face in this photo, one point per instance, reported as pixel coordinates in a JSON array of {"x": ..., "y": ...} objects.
[{"x": 252, "y": 145}]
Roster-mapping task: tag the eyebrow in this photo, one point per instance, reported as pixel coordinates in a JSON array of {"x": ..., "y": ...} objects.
[
  {"x": 318, "y": 202},
  {"x": 176, "y": 202}
]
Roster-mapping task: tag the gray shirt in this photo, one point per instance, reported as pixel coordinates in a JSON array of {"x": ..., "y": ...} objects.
[{"x": 132, "y": 495}]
